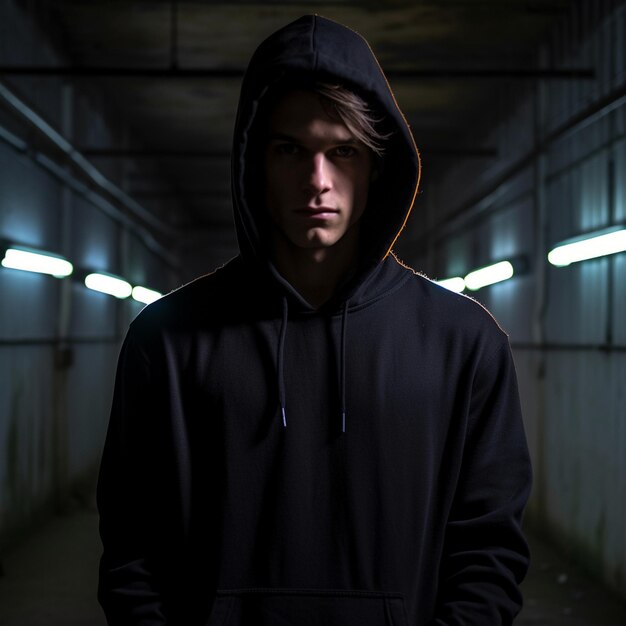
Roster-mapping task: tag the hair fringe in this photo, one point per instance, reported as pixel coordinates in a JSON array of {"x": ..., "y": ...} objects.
[{"x": 356, "y": 114}]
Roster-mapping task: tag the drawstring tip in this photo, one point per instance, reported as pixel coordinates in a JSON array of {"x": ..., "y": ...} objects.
[
  {"x": 282, "y": 410},
  {"x": 343, "y": 422}
]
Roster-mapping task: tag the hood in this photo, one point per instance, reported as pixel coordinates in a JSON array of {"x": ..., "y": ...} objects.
[{"x": 316, "y": 47}]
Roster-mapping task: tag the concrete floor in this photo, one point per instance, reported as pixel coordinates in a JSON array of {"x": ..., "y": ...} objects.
[{"x": 51, "y": 579}]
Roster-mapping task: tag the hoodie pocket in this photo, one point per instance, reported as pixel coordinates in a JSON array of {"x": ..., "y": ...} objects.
[{"x": 308, "y": 607}]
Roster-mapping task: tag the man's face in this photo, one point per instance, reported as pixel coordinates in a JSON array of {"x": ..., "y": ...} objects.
[{"x": 317, "y": 175}]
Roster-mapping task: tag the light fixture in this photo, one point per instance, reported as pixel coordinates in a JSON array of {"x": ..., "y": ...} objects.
[
  {"x": 31, "y": 260},
  {"x": 145, "y": 295},
  {"x": 109, "y": 284},
  {"x": 489, "y": 275},
  {"x": 456, "y": 284},
  {"x": 590, "y": 246}
]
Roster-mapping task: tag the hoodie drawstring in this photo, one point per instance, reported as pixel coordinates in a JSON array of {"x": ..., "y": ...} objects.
[
  {"x": 342, "y": 366},
  {"x": 280, "y": 360}
]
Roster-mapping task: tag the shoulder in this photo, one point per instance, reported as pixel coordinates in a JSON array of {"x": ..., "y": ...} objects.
[
  {"x": 207, "y": 297},
  {"x": 443, "y": 311}
]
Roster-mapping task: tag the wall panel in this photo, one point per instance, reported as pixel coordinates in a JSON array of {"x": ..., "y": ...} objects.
[
  {"x": 567, "y": 325},
  {"x": 59, "y": 341}
]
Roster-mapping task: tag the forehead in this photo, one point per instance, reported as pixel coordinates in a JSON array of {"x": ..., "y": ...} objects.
[{"x": 301, "y": 113}]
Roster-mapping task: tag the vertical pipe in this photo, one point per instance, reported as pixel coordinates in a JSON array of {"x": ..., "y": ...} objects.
[
  {"x": 611, "y": 204},
  {"x": 608, "y": 338},
  {"x": 123, "y": 312},
  {"x": 541, "y": 288},
  {"x": 62, "y": 350},
  {"x": 174, "y": 35}
]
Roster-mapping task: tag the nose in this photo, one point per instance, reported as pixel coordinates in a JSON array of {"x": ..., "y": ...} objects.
[{"x": 317, "y": 178}]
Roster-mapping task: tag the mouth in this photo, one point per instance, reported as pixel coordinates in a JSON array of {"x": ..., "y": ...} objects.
[{"x": 321, "y": 212}]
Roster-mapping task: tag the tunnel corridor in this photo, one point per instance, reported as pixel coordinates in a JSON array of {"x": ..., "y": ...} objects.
[{"x": 116, "y": 124}]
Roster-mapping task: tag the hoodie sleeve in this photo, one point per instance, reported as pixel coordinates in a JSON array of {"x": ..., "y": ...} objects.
[
  {"x": 485, "y": 554},
  {"x": 127, "y": 495}
]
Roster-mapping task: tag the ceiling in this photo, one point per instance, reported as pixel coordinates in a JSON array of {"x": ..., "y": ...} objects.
[{"x": 173, "y": 71}]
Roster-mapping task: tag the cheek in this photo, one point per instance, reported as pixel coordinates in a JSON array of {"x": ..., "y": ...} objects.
[
  {"x": 359, "y": 178},
  {"x": 280, "y": 179},
  {"x": 361, "y": 186},
  {"x": 272, "y": 186}
]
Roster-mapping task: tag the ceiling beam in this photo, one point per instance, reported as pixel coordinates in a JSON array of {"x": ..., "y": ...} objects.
[
  {"x": 574, "y": 73},
  {"x": 458, "y": 153},
  {"x": 179, "y": 193},
  {"x": 147, "y": 153}
]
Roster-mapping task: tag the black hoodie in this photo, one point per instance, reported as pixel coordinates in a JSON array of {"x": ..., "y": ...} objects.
[{"x": 272, "y": 464}]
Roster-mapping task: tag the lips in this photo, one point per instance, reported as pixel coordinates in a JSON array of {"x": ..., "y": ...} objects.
[{"x": 318, "y": 211}]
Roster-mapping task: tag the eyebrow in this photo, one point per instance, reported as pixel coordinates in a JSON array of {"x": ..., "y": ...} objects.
[
  {"x": 282, "y": 137},
  {"x": 273, "y": 136}
]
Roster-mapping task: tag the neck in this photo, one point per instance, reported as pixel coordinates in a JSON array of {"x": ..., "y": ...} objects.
[{"x": 316, "y": 272}]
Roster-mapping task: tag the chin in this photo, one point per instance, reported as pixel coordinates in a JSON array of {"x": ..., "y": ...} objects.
[
  {"x": 312, "y": 239},
  {"x": 320, "y": 243}
]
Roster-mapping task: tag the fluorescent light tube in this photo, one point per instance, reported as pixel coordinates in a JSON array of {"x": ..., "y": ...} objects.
[
  {"x": 590, "y": 246},
  {"x": 18, "y": 258},
  {"x": 142, "y": 294},
  {"x": 456, "y": 284},
  {"x": 489, "y": 275},
  {"x": 106, "y": 283}
]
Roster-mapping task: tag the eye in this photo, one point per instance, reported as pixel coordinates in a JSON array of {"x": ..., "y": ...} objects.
[
  {"x": 345, "y": 152},
  {"x": 288, "y": 149}
]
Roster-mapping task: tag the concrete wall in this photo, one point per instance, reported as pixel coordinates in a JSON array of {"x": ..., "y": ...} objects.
[
  {"x": 58, "y": 340},
  {"x": 567, "y": 325}
]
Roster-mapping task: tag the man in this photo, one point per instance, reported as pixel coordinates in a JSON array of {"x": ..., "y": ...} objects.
[{"x": 315, "y": 434}]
